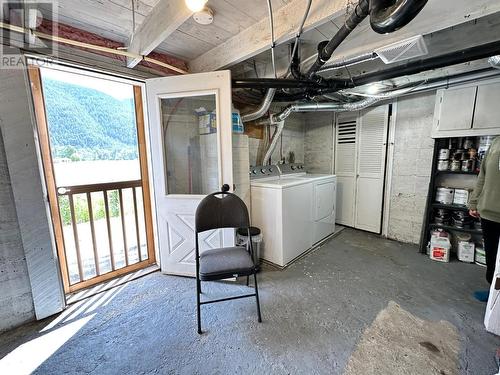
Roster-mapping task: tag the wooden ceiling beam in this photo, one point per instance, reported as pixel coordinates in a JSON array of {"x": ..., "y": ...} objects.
[
  {"x": 166, "y": 17},
  {"x": 78, "y": 35},
  {"x": 256, "y": 38}
]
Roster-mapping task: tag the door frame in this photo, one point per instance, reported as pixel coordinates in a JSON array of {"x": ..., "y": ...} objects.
[{"x": 46, "y": 162}]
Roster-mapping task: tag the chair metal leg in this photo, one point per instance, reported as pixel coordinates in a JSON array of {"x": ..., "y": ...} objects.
[
  {"x": 198, "y": 306},
  {"x": 248, "y": 280},
  {"x": 257, "y": 297}
]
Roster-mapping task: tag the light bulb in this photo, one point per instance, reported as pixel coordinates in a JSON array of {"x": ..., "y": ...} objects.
[
  {"x": 373, "y": 89},
  {"x": 195, "y": 5}
]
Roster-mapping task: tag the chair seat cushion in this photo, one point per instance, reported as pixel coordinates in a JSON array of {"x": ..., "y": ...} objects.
[{"x": 216, "y": 264}]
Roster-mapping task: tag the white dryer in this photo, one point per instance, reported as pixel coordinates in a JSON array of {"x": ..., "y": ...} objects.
[
  {"x": 293, "y": 209},
  {"x": 323, "y": 205}
]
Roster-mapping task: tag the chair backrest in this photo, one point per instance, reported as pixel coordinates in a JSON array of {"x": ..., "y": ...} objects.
[{"x": 228, "y": 211}]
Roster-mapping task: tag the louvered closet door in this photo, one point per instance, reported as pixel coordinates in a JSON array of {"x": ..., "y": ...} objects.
[
  {"x": 345, "y": 167},
  {"x": 372, "y": 146}
]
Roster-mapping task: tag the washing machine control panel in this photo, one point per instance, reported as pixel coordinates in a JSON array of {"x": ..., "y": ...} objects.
[
  {"x": 292, "y": 168},
  {"x": 263, "y": 171},
  {"x": 266, "y": 171}
]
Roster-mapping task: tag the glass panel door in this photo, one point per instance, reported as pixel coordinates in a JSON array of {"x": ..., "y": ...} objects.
[{"x": 191, "y": 137}]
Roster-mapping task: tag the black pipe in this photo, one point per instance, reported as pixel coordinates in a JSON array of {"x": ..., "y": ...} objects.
[
  {"x": 278, "y": 83},
  {"x": 295, "y": 64},
  {"x": 326, "y": 49},
  {"x": 387, "y": 16},
  {"x": 410, "y": 68},
  {"x": 414, "y": 67}
]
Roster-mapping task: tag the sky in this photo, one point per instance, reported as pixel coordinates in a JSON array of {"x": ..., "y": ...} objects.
[{"x": 117, "y": 90}]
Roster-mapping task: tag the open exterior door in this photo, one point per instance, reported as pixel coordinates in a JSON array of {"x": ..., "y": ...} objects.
[{"x": 190, "y": 122}]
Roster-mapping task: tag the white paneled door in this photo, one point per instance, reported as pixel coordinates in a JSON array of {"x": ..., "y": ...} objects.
[
  {"x": 360, "y": 153},
  {"x": 191, "y": 149},
  {"x": 345, "y": 167},
  {"x": 372, "y": 147}
]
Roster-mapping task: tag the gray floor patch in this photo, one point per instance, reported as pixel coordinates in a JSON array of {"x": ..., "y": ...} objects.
[{"x": 398, "y": 342}]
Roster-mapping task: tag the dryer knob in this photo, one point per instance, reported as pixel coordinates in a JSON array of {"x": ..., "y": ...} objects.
[
  {"x": 271, "y": 170},
  {"x": 293, "y": 167},
  {"x": 263, "y": 170}
]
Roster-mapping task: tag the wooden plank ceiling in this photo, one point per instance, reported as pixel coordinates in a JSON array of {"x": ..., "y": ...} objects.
[
  {"x": 112, "y": 19},
  {"x": 196, "y": 44}
]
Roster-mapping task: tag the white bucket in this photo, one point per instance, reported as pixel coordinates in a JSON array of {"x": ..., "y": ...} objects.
[
  {"x": 461, "y": 197},
  {"x": 444, "y": 195},
  {"x": 440, "y": 249},
  {"x": 466, "y": 251}
]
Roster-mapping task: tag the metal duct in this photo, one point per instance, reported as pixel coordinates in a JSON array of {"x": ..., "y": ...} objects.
[
  {"x": 494, "y": 61},
  {"x": 268, "y": 99},
  {"x": 274, "y": 142},
  {"x": 340, "y": 64},
  {"x": 387, "y": 16},
  {"x": 264, "y": 106},
  {"x": 336, "y": 107}
]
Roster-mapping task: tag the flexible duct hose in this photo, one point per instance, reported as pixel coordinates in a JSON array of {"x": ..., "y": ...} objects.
[
  {"x": 274, "y": 142},
  {"x": 494, "y": 61}
]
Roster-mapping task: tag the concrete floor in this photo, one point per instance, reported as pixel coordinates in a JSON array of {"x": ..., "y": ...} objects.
[{"x": 315, "y": 315}]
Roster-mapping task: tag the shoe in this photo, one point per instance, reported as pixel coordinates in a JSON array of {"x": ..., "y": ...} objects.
[{"x": 482, "y": 295}]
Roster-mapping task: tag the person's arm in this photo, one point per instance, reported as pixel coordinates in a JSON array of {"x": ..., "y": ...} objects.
[{"x": 474, "y": 198}]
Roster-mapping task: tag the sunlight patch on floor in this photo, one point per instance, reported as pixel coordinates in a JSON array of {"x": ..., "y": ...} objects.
[
  {"x": 398, "y": 343},
  {"x": 29, "y": 356}
]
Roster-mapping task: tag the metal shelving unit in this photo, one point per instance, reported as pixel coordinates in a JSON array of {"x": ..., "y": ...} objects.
[{"x": 432, "y": 205}]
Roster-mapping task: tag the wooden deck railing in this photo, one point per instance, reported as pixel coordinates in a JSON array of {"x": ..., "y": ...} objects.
[{"x": 105, "y": 188}]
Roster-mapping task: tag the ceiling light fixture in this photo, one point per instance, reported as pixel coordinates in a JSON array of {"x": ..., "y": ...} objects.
[
  {"x": 204, "y": 16},
  {"x": 373, "y": 89},
  {"x": 195, "y": 5}
]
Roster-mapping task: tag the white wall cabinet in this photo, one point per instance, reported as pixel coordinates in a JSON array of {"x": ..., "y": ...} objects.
[
  {"x": 487, "y": 113},
  {"x": 468, "y": 110},
  {"x": 360, "y": 153}
]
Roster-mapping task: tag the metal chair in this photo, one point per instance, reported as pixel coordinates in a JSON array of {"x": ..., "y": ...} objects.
[{"x": 228, "y": 211}]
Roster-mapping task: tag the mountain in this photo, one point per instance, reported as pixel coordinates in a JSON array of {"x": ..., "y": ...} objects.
[{"x": 89, "y": 123}]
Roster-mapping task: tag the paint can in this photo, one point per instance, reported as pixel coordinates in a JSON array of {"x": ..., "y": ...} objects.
[
  {"x": 455, "y": 166},
  {"x": 443, "y": 165},
  {"x": 440, "y": 233},
  {"x": 480, "y": 256},
  {"x": 467, "y": 165},
  {"x": 444, "y": 154},
  {"x": 461, "y": 197},
  {"x": 444, "y": 195},
  {"x": 468, "y": 143},
  {"x": 472, "y": 153}
]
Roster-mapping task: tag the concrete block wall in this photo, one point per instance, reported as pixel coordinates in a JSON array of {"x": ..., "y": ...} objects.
[
  {"x": 412, "y": 164},
  {"x": 318, "y": 142},
  {"x": 16, "y": 301},
  {"x": 292, "y": 140}
]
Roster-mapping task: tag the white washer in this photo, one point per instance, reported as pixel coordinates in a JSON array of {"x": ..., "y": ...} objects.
[{"x": 294, "y": 210}]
